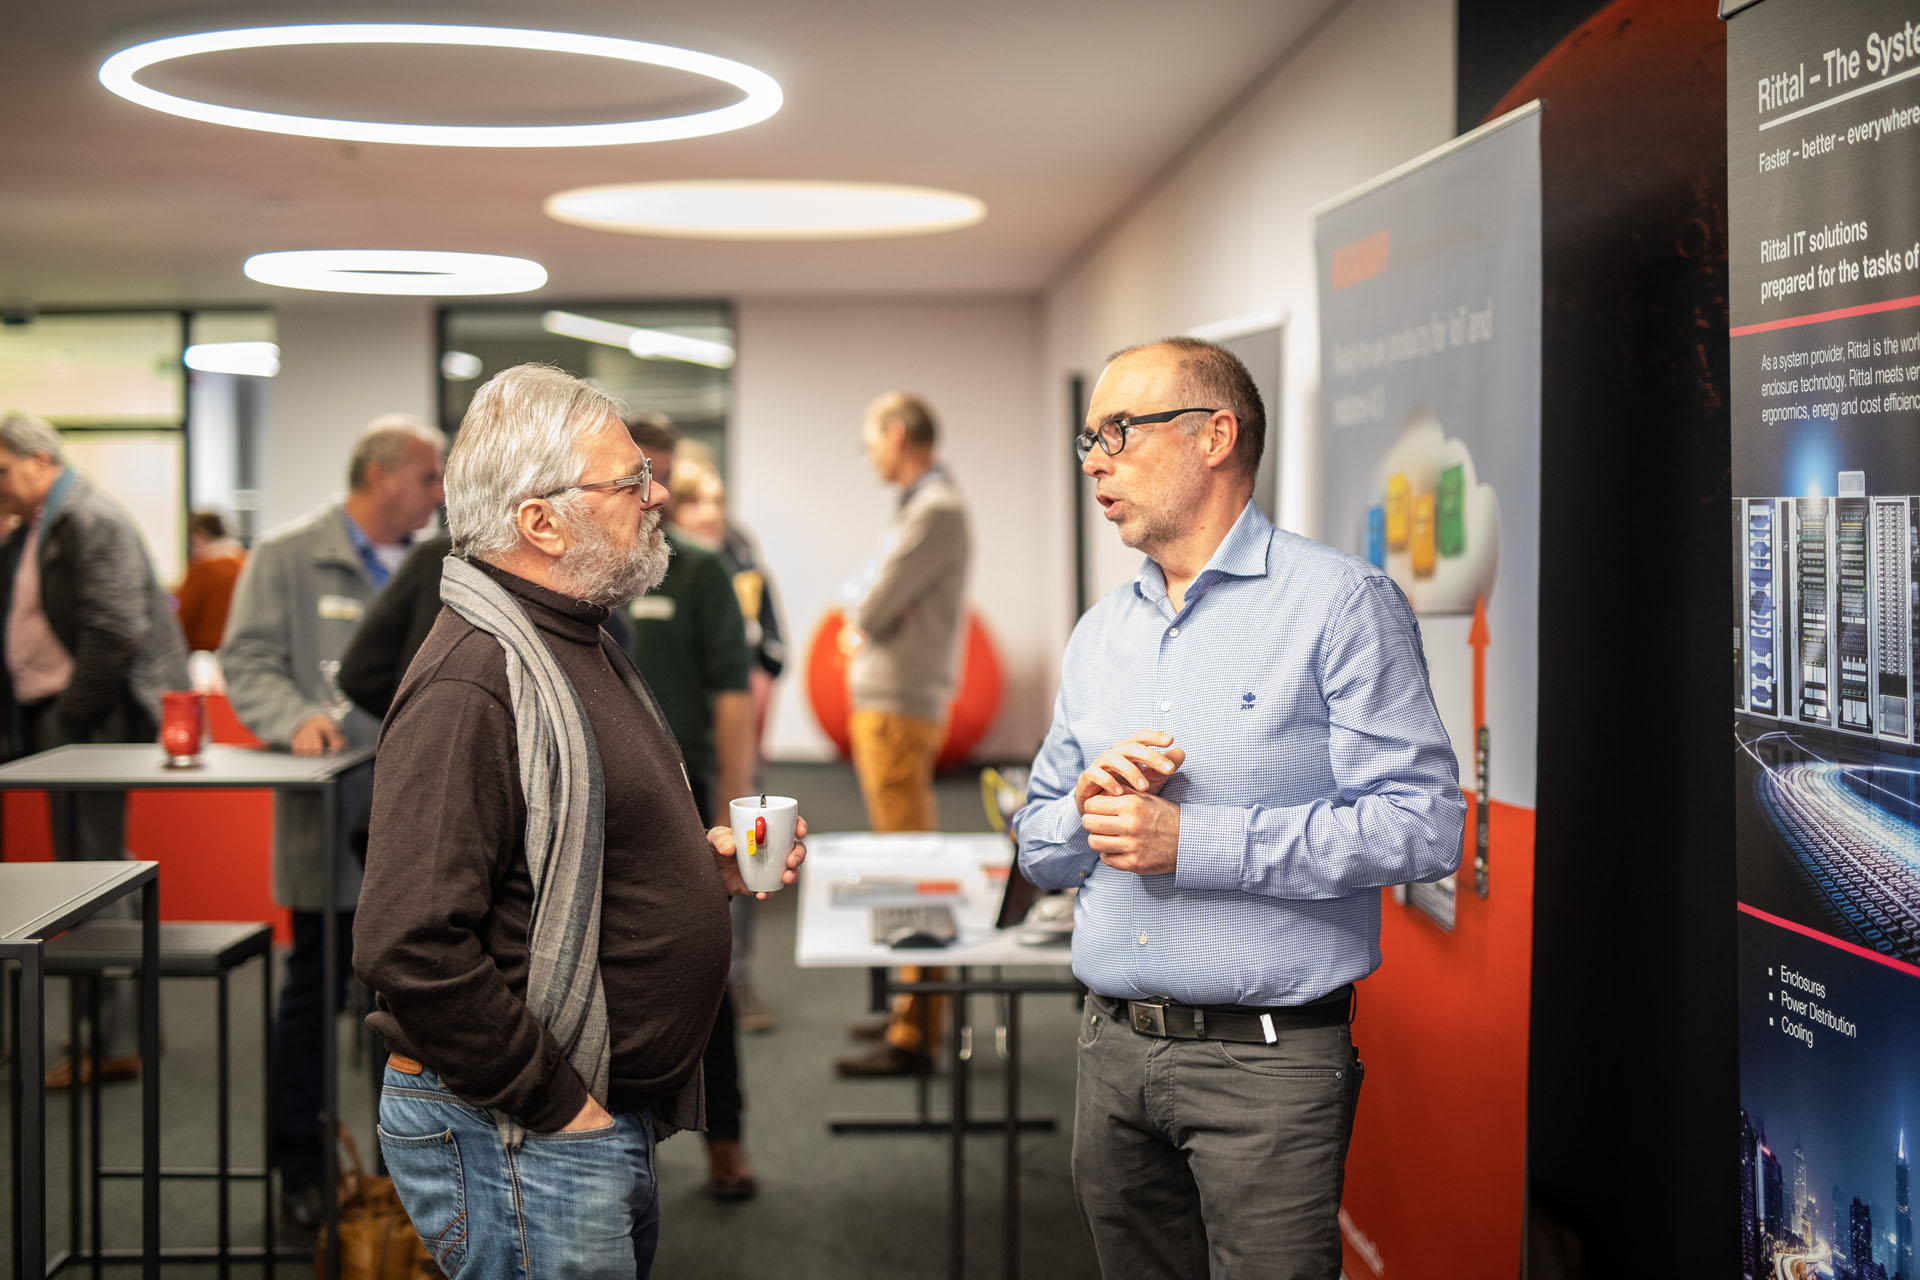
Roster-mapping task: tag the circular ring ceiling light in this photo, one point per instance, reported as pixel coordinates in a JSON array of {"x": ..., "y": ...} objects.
[
  {"x": 762, "y": 99},
  {"x": 753, "y": 210},
  {"x": 420, "y": 272}
]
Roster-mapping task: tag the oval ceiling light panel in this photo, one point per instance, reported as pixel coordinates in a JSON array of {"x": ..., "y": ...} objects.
[
  {"x": 752, "y": 210},
  {"x": 249, "y": 359},
  {"x": 119, "y": 73},
  {"x": 419, "y": 272}
]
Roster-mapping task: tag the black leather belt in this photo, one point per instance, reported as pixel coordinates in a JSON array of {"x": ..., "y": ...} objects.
[{"x": 1168, "y": 1020}]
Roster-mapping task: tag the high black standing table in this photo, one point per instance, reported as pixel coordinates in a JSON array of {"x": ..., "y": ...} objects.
[
  {"x": 139, "y": 766},
  {"x": 39, "y": 900}
]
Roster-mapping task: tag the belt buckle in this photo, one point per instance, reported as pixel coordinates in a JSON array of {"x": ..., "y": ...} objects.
[{"x": 1149, "y": 1016}]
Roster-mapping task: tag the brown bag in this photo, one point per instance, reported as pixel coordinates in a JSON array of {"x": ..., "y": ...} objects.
[{"x": 377, "y": 1242}]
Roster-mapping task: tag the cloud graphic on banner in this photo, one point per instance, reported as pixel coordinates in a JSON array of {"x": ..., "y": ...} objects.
[{"x": 1436, "y": 528}]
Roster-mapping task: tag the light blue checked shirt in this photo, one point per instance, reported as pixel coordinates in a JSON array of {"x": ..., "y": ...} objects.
[{"x": 1317, "y": 770}]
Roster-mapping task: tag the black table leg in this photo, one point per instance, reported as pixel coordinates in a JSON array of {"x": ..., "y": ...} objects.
[
  {"x": 29, "y": 1060},
  {"x": 957, "y": 1166},
  {"x": 268, "y": 1216},
  {"x": 149, "y": 1078},
  {"x": 222, "y": 1136},
  {"x": 329, "y": 1049},
  {"x": 74, "y": 1164},
  {"x": 96, "y": 1141},
  {"x": 1010, "y": 1212}
]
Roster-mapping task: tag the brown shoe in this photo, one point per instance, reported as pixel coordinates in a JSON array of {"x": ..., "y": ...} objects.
[
  {"x": 872, "y": 1030},
  {"x": 729, "y": 1172},
  {"x": 887, "y": 1060},
  {"x": 123, "y": 1067}
]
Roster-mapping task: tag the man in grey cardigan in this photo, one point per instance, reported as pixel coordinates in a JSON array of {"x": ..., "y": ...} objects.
[
  {"x": 90, "y": 644},
  {"x": 295, "y": 610},
  {"x": 907, "y": 615}
]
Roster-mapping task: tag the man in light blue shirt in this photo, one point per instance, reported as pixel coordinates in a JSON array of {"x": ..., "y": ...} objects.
[{"x": 1244, "y": 750}]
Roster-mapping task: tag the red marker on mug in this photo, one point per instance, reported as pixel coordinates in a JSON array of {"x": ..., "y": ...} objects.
[{"x": 760, "y": 831}]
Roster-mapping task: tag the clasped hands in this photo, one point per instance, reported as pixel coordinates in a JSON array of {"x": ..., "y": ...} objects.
[{"x": 1118, "y": 795}]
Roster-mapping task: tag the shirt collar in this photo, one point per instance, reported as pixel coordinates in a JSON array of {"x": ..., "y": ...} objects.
[
  {"x": 364, "y": 551},
  {"x": 1241, "y": 554},
  {"x": 56, "y": 496},
  {"x": 936, "y": 470}
]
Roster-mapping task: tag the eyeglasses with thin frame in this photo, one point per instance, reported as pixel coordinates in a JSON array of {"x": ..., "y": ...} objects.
[
  {"x": 641, "y": 481},
  {"x": 1113, "y": 434}
]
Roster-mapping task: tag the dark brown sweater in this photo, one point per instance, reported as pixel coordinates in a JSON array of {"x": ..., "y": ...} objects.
[{"x": 441, "y": 931}]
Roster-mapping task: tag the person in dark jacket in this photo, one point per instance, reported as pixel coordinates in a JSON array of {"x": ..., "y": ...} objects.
[
  {"x": 395, "y": 627},
  {"x": 90, "y": 643}
]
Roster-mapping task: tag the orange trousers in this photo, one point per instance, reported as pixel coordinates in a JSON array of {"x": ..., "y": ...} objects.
[{"x": 893, "y": 757}]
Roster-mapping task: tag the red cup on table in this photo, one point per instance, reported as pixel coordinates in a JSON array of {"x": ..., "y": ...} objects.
[{"x": 183, "y": 727}]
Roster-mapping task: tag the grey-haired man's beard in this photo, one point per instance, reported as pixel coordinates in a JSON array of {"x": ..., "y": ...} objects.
[{"x": 599, "y": 571}]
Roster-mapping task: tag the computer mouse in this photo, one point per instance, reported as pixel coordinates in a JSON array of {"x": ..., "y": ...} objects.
[{"x": 914, "y": 939}]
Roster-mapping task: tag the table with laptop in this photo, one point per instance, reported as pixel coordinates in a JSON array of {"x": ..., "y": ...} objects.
[{"x": 873, "y": 900}]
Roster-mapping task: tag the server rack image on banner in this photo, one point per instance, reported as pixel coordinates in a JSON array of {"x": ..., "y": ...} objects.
[
  {"x": 1856, "y": 698},
  {"x": 1813, "y": 595},
  {"x": 1823, "y": 178},
  {"x": 1892, "y": 660},
  {"x": 1763, "y": 611}
]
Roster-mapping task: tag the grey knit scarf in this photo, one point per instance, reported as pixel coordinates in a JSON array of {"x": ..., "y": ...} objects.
[{"x": 565, "y": 837}]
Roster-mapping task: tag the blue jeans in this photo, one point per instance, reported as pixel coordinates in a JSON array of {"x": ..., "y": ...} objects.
[{"x": 566, "y": 1205}]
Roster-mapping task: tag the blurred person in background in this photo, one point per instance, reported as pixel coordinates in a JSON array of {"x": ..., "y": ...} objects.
[
  {"x": 395, "y": 627},
  {"x": 699, "y": 512},
  {"x": 214, "y": 560},
  {"x": 300, "y": 599},
  {"x": 690, "y": 643},
  {"x": 905, "y": 621},
  {"x": 90, "y": 645}
]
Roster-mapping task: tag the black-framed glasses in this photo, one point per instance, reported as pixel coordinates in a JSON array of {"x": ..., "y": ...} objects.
[
  {"x": 1112, "y": 435},
  {"x": 639, "y": 480}
]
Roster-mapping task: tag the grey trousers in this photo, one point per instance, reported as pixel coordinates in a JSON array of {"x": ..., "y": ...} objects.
[{"x": 1205, "y": 1158}]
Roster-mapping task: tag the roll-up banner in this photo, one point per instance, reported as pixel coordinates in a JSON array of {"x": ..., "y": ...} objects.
[
  {"x": 1823, "y": 165},
  {"x": 1430, "y": 453}
]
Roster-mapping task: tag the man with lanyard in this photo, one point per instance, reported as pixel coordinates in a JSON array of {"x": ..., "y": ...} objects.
[
  {"x": 296, "y": 608},
  {"x": 1244, "y": 750}
]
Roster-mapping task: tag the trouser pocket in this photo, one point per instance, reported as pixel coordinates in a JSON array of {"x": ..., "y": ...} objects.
[{"x": 427, "y": 1172}]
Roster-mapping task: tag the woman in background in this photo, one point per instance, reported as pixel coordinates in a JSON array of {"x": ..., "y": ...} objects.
[{"x": 213, "y": 566}]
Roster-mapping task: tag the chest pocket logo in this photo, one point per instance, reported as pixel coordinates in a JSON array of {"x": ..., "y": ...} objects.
[{"x": 1246, "y": 702}]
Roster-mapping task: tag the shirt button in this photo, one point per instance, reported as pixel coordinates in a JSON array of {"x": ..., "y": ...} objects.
[
  {"x": 1166, "y": 706},
  {"x": 1173, "y": 631},
  {"x": 1143, "y": 939}
]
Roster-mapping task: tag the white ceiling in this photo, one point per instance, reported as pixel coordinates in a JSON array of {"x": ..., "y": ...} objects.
[{"x": 1055, "y": 112}]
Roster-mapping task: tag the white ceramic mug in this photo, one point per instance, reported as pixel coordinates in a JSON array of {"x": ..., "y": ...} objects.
[{"x": 763, "y": 837}]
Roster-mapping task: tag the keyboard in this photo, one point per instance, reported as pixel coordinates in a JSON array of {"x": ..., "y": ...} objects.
[{"x": 915, "y": 926}]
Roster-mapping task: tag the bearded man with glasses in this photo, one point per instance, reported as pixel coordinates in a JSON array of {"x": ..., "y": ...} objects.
[
  {"x": 1244, "y": 749},
  {"x": 544, "y": 918}
]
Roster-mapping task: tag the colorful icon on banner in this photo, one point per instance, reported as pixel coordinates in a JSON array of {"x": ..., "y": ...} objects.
[
  {"x": 1399, "y": 498},
  {"x": 1450, "y": 510},
  {"x": 1420, "y": 536}
]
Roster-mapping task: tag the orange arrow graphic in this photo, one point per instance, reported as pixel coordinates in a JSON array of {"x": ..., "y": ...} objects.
[{"x": 1480, "y": 637}]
